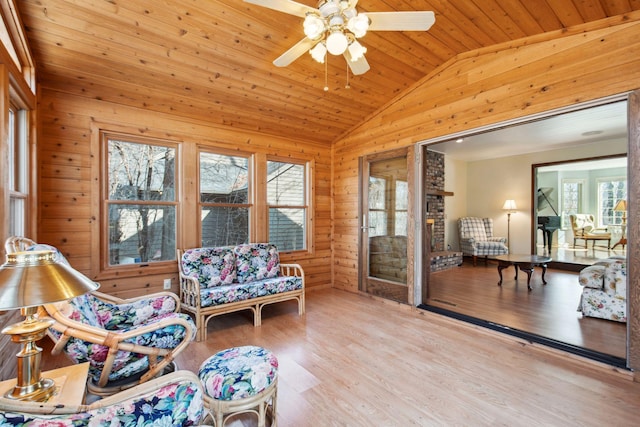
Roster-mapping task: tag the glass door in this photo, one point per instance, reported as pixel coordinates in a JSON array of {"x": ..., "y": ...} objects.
[{"x": 385, "y": 202}]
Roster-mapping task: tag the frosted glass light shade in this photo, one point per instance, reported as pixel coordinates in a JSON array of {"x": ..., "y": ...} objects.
[
  {"x": 319, "y": 52},
  {"x": 337, "y": 43}
]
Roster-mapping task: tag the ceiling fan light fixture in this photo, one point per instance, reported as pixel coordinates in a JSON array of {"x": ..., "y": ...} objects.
[
  {"x": 359, "y": 25},
  {"x": 337, "y": 43},
  {"x": 313, "y": 26},
  {"x": 319, "y": 52},
  {"x": 356, "y": 50}
]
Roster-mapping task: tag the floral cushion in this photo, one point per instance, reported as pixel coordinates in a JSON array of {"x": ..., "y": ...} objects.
[
  {"x": 257, "y": 261},
  {"x": 596, "y": 303},
  {"x": 92, "y": 311},
  {"x": 238, "y": 372},
  {"x": 212, "y": 266},
  {"x": 592, "y": 276},
  {"x": 240, "y": 292},
  {"x": 175, "y": 404}
]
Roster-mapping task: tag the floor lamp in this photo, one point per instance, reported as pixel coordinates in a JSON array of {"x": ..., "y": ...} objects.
[
  {"x": 621, "y": 206},
  {"x": 510, "y": 207}
]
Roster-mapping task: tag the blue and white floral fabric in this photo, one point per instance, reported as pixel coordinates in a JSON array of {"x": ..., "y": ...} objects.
[
  {"x": 90, "y": 310},
  {"x": 229, "y": 274},
  {"x": 177, "y": 403},
  {"x": 238, "y": 372}
]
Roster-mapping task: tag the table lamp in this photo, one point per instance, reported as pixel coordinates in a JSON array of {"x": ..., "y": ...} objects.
[
  {"x": 27, "y": 280},
  {"x": 510, "y": 207}
]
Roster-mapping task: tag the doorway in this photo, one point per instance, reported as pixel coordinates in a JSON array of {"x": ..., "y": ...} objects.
[{"x": 384, "y": 206}]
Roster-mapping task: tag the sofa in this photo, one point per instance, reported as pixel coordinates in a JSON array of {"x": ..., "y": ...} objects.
[
  {"x": 175, "y": 399},
  {"x": 220, "y": 280},
  {"x": 605, "y": 289}
]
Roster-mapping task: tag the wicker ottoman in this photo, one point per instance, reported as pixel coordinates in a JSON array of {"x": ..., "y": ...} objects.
[{"x": 239, "y": 380}]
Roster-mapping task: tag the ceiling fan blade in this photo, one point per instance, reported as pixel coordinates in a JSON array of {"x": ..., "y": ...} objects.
[
  {"x": 296, "y": 51},
  {"x": 286, "y": 6},
  {"x": 401, "y": 21},
  {"x": 358, "y": 67}
]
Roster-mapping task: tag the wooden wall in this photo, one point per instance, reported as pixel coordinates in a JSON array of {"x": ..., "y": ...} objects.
[
  {"x": 69, "y": 174},
  {"x": 478, "y": 89}
]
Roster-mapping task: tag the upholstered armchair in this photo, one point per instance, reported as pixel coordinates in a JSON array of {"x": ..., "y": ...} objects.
[
  {"x": 126, "y": 342},
  {"x": 584, "y": 228},
  {"x": 174, "y": 399},
  {"x": 477, "y": 239},
  {"x": 604, "y": 293}
]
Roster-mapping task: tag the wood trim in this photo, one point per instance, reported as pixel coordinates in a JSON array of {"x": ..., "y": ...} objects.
[{"x": 633, "y": 233}]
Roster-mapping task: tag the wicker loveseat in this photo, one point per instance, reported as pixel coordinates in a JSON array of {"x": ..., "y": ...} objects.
[{"x": 220, "y": 280}]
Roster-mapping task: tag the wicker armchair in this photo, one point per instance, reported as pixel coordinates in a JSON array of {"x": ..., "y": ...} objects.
[{"x": 127, "y": 342}]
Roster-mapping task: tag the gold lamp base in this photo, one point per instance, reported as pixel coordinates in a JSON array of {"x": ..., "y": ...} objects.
[{"x": 29, "y": 385}]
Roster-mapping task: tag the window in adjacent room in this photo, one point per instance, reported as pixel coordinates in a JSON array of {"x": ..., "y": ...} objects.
[
  {"x": 141, "y": 202},
  {"x": 571, "y": 200},
  {"x": 225, "y": 205},
  {"x": 610, "y": 191},
  {"x": 287, "y": 203},
  {"x": 18, "y": 140}
]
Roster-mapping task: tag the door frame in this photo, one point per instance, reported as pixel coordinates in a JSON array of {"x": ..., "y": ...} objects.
[{"x": 363, "y": 244}]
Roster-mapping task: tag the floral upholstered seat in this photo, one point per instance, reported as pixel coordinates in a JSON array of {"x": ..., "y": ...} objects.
[
  {"x": 126, "y": 342},
  {"x": 172, "y": 400},
  {"x": 605, "y": 289},
  {"x": 240, "y": 379}
]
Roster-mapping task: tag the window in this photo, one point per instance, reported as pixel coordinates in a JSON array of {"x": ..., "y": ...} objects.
[
  {"x": 140, "y": 200},
  {"x": 18, "y": 165},
  {"x": 287, "y": 203},
  {"x": 571, "y": 200},
  {"x": 225, "y": 208},
  {"x": 610, "y": 191}
]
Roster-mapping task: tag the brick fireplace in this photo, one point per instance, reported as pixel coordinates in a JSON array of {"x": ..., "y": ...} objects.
[{"x": 441, "y": 258}]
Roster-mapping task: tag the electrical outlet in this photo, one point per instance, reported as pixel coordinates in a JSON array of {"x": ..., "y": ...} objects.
[{"x": 167, "y": 283}]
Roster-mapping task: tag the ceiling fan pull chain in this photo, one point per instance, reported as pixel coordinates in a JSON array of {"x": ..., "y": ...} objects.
[
  {"x": 347, "y": 86},
  {"x": 326, "y": 64}
]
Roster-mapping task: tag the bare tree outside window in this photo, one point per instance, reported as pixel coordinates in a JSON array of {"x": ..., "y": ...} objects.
[
  {"x": 224, "y": 199},
  {"x": 141, "y": 202}
]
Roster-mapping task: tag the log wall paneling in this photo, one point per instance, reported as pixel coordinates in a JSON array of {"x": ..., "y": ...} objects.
[{"x": 70, "y": 182}]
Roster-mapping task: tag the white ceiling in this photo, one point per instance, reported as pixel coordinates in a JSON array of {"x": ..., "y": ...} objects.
[{"x": 606, "y": 122}]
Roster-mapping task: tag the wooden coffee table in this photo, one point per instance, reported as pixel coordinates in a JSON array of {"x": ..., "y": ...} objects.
[{"x": 525, "y": 263}]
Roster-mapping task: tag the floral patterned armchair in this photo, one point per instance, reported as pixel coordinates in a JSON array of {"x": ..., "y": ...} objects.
[
  {"x": 126, "y": 342},
  {"x": 174, "y": 399},
  {"x": 605, "y": 289}
]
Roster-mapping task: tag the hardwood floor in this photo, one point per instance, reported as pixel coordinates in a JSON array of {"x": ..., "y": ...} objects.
[
  {"x": 548, "y": 310},
  {"x": 353, "y": 360}
]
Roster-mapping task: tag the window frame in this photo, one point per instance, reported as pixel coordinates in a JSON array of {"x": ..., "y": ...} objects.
[
  {"x": 251, "y": 189},
  {"x": 616, "y": 217},
  {"x": 18, "y": 127},
  {"x": 309, "y": 167},
  {"x": 104, "y": 138}
]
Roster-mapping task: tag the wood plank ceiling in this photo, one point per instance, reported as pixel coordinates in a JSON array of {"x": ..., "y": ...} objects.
[{"x": 212, "y": 59}]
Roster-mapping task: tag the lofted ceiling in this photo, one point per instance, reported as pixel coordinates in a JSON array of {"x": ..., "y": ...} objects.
[{"x": 212, "y": 59}]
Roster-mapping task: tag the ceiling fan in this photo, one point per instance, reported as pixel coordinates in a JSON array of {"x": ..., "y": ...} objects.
[{"x": 335, "y": 27}]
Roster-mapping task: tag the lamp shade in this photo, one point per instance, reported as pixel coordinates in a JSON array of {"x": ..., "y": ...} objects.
[
  {"x": 33, "y": 278},
  {"x": 509, "y": 205},
  {"x": 621, "y": 206}
]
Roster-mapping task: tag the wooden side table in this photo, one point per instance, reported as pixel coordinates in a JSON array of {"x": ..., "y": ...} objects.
[
  {"x": 524, "y": 263},
  {"x": 71, "y": 384}
]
